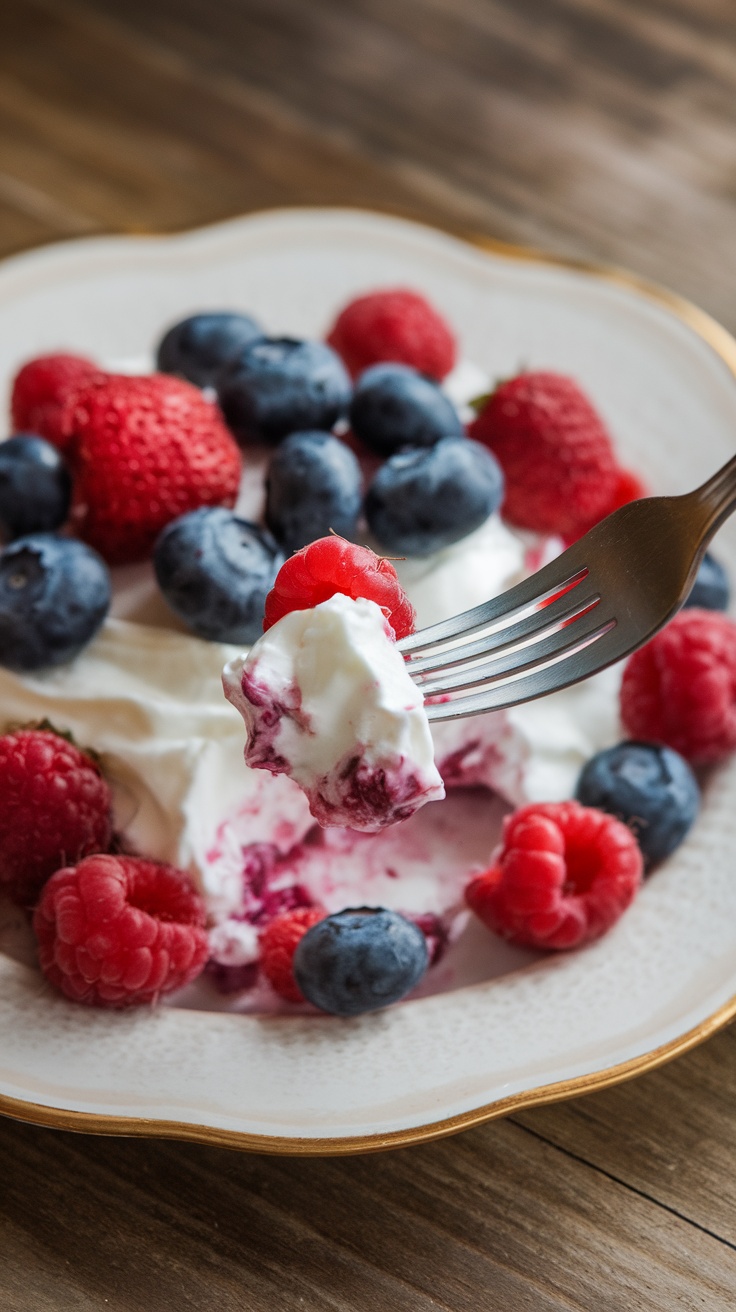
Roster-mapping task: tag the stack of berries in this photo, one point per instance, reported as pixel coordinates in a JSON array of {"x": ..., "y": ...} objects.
[
  {"x": 360, "y": 437},
  {"x": 113, "y": 930}
]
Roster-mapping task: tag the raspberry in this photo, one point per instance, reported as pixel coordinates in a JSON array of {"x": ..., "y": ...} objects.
[
  {"x": 147, "y": 450},
  {"x": 562, "y": 877},
  {"x": 56, "y": 808},
  {"x": 628, "y": 487},
  {"x": 555, "y": 452},
  {"x": 680, "y": 689},
  {"x": 42, "y": 395},
  {"x": 118, "y": 931},
  {"x": 278, "y": 944},
  {"x": 397, "y": 325},
  {"x": 332, "y": 565}
]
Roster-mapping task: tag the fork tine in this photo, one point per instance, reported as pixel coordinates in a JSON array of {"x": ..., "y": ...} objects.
[
  {"x": 560, "y": 611},
  {"x": 565, "y": 572},
  {"x": 601, "y": 648},
  {"x": 587, "y": 626}
]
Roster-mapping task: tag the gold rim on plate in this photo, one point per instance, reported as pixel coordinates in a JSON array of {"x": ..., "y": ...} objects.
[{"x": 724, "y": 345}]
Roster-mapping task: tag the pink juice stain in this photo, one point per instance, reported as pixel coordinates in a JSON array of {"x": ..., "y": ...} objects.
[{"x": 419, "y": 867}]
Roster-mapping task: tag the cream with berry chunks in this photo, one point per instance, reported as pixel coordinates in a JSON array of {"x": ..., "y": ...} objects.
[
  {"x": 326, "y": 696},
  {"x": 169, "y": 864}
]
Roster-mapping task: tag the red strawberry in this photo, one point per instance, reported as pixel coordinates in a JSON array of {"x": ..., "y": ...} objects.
[
  {"x": 43, "y": 391},
  {"x": 56, "y": 808},
  {"x": 555, "y": 452},
  {"x": 147, "y": 450}
]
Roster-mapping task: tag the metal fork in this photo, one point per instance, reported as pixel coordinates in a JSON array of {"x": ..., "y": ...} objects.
[{"x": 605, "y": 596}]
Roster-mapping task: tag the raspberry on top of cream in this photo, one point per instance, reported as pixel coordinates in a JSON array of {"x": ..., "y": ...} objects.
[{"x": 327, "y": 699}]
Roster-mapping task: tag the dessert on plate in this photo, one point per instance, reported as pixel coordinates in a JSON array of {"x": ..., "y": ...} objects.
[{"x": 334, "y": 494}]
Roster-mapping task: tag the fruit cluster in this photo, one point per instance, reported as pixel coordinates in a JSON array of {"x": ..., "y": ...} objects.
[
  {"x": 360, "y": 438},
  {"x": 106, "y": 469},
  {"x": 565, "y": 872},
  {"x": 113, "y": 930}
]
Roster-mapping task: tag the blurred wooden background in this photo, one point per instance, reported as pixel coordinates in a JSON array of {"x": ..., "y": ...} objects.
[
  {"x": 597, "y": 128},
  {"x": 604, "y": 128}
]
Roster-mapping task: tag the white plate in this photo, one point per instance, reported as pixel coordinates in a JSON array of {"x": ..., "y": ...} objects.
[{"x": 662, "y": 374}]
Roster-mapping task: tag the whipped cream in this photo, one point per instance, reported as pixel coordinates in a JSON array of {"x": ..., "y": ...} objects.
[{"x": 327, "y": 699}]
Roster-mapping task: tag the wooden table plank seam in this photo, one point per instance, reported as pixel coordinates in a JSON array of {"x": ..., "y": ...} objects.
[{"x": 625, "y": 1184}]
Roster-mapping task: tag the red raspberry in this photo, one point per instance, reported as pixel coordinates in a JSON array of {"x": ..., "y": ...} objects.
[
  {"x": 56, "y": 808},
  {"x": 563, "y": 876},
  {"x": 278, "y": 943},
  {"x": 42, "y": 393},
  {"x": 628, "y": 487},
  {"x": 397, "y": 325},
  {"x": 555, "y": 452},
  {"x": 118, "y": 931},
  {"x": 332, "y": 565},
  {"x": 147, "y": 450},
  {"x": 680, "y": 689}
]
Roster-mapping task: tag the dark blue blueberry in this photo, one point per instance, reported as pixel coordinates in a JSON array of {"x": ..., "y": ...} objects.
[
  {"x": 711, "y": 588},
  {"x": 424, "y": 499},
  {"x": 394, "y": 406},
  {"x": 54, "y": 595},
  {"x": 652, "y": 789},
  {"x": 313, "y": 485},
  {"x": 359, "y": 960},
  {"x": 215, "y": 570},
  {"x": 199, "y": 347},
  {"x": 35, "y": 487},
  {"x": 279, "y": 386}
]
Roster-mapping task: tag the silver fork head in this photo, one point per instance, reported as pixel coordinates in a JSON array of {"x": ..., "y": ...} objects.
[{"x": 603, "y": 597}]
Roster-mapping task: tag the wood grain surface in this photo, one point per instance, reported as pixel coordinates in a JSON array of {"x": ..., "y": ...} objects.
[{"x": 598, "y": 128}]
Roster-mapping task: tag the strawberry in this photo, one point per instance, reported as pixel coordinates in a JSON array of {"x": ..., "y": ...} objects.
[
  {"x": 555, "y": 452},
  {"x": 43, "y": 391},
  {"x": 146, "y": 451}
]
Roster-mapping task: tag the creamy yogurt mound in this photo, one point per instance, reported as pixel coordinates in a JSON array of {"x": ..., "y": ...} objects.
[{"x": 327, "y": 699}]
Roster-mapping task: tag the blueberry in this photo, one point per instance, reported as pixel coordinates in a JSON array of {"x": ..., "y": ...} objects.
[
  {"x": 424, "y": 499},
  {"x": 35, "y": 486},
  {"x": 279, "y": 386},
  {"x": 711, "y": 588},
  {"x": 394, "y": 406},
  {"x": 197, "y": 348},
  {"x": 652, "y": 789},
  {"x": 359, "y": 960},
  {"x": 215, "y": 570},
  {"x": 313, "y": 485},
  {"x": 54, "y": 595}
]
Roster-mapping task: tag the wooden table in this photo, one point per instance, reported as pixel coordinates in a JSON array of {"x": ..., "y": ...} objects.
[{"x": 598, "y": 128}]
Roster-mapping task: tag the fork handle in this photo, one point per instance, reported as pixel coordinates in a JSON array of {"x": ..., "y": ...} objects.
[{"x": 717, "y": 497}]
